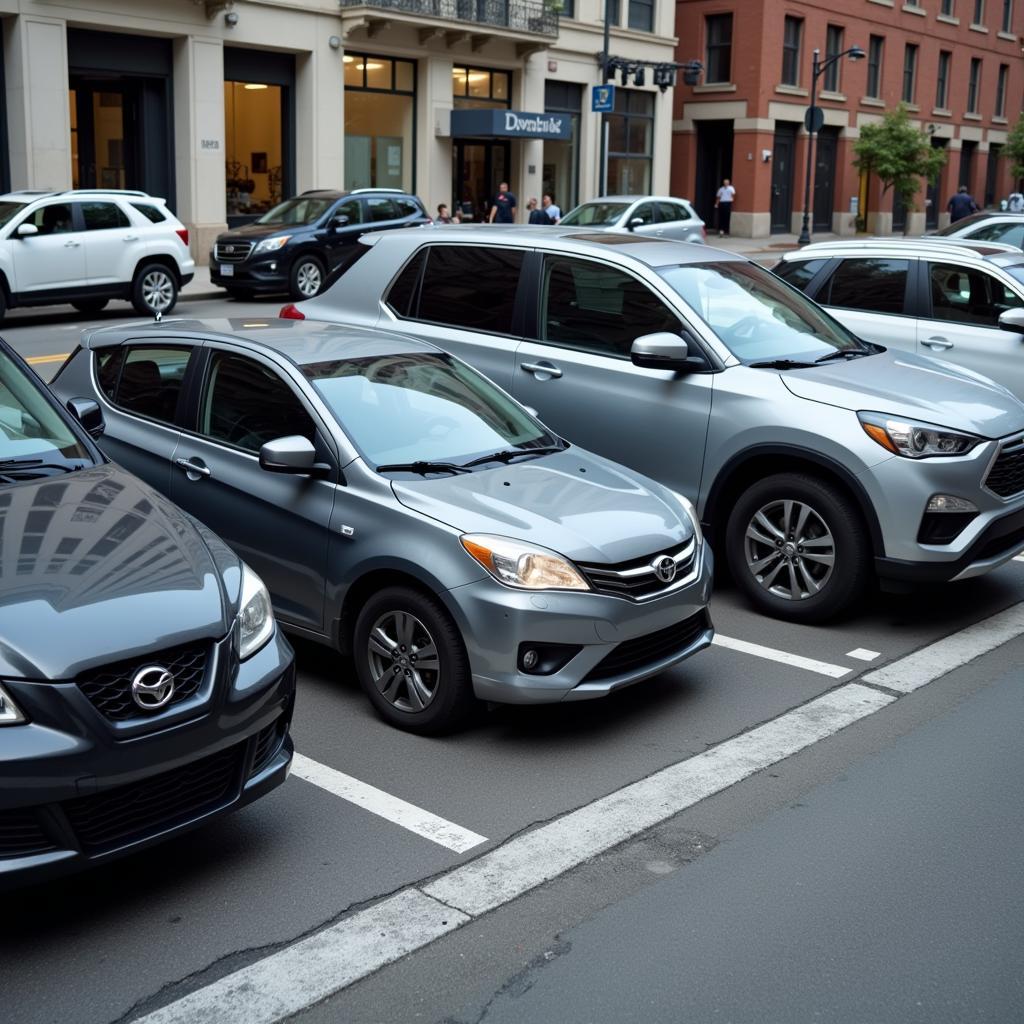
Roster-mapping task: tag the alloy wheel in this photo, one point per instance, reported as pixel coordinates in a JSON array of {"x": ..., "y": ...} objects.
[
  {"x": 308, "y": 279},
  {"x": 403, "y": 661},
  {"x": 789, "y": 550},
  {"x": 157, "y": 290}
]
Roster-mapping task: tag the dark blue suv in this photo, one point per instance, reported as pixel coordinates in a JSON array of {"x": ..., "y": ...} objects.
[{"x": 293, "y": 247}]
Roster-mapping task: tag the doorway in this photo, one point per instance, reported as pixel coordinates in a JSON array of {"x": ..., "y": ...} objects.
[
  {"x": 478, "y": 168},
  {"x": 991, "y": 175},
  {"x": 825, "y": 177},
  {"x": 102, "y": 113},
  {"x": 933, "y": 200},
  {"x": 714, "y": 162},
  {"x": 783, "y": 150}
]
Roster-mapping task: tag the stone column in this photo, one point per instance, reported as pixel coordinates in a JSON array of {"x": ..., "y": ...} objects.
[{"x": 319, "y": 119}]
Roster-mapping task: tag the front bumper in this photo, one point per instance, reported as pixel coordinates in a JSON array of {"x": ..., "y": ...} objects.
[
  {"x": 267, "y": 272},
  {"x": 77, "y": 789},
  {"x": 621, "y": 641}
]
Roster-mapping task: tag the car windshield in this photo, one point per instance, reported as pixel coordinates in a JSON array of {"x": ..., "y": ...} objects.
[
  {"x": 1016, "y": 271},
  {"x": 411, "y": 407},
  {"x": 31, "y": 431},
  {"x": 301, "y": 210},
  {"x": 759, "y": 317},
  {"x": 963, "y": 222},
  {"x": 8, "y": 210},
  {"x": 594, "y": 215}
]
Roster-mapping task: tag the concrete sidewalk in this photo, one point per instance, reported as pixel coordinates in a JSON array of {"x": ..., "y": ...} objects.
[{"x": 200, "y": 287}]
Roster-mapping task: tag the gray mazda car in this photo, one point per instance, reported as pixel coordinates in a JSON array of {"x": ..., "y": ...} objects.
[
  {"x": 405, "y": 510},
  {"x": 144, "y": 685}
]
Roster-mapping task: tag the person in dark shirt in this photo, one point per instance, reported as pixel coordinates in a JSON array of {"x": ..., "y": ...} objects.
[
  {"x": 961, "y": 205},
  {"x": 536, "y": 216},
  {"x": 503, "y": 206}
]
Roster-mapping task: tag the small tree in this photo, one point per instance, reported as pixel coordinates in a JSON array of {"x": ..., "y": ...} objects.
[
  {"x": 1014, "y": 149},
  {"x": 899, "y": 154}
]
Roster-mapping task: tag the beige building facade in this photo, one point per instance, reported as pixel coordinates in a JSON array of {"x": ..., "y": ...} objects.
[{"x": 226, "y": 108}]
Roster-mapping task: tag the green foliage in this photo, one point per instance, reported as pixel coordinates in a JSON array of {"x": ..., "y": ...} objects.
[
  {"x": 899, "y": 154},
  {"x": 1014, "y": 149}
]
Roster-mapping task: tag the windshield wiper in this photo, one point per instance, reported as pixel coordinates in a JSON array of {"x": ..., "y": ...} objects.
[
  {"x": 511, "y": 453},
  {"x": 422, "y": 467},
  {"x": 849, "y": 353},
  {"x": 9, "y": 466},
  {"x": 780, "y": 364}
]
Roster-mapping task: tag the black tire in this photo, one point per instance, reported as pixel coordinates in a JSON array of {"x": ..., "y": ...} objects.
[
  {"x": 90, "y": 306},
  {"x": 152, "y": 280},
  {"x": 306, "y": 279},
  {"x": 393, "y": 692},
  {"x": 767, "y": 569},
  {"x": 3, "y": 304}
]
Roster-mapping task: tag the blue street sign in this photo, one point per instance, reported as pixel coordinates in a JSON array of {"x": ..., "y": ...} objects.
[{"x": 603, "y": 99}]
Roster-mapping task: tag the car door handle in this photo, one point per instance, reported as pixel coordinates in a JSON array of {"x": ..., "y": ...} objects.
[
  {"x": 937, "y": 343},
  {"x": 131, "y": 238},
  {"x": 193, "y": 467},
  {"x": 548, "y": 369},
  {"x": 71, "y": 244}
]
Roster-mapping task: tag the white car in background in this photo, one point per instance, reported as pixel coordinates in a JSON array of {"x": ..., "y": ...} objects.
[
  {"x": 653, "y": 216},
  {"x": 88, "y": 246},
  {"x": 987, "y": 226}
]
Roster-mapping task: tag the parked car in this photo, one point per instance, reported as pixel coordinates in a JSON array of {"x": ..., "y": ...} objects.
[
  {"x": 404, "y": 510},
  {"x": 293, "y": 247},
  {"x": 88, "y": 246},
  {"x": 659, "y": 216},
  {"x": 816, "y": 460},
  {"x": 988, "y": 226},
  {"x": 961, "y": 302},
  {"x": 144, "y": 685}
]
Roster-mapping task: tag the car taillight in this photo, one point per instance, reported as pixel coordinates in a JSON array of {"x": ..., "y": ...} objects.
[
  {"x": 291, "y": 312},
  {"x": 182, "y": 233}
]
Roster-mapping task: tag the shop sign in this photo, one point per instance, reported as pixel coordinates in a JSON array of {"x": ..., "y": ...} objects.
[{"x": 511, "y": 124}]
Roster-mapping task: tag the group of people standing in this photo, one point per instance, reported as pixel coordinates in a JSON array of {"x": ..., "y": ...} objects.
[{"x": 503, "y": 209}]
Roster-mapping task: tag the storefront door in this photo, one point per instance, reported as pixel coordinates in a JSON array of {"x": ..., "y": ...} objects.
[{"x": 478, "y": 169}]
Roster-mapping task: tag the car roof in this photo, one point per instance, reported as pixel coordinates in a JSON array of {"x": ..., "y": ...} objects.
[
  {"x": 632, "y": 199},
  {"x": 31, "y": 194},
  {"x": 961, "y": 247}
]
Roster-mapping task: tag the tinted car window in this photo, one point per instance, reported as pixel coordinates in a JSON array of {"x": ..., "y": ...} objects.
[
  {"x": 54, "y": 219},
  {"x": 799, "y": 273},
  {"x": 402, "y": 293},
  {"x": 150, "y": 381},
  {"x": 965, "y": 296},
  {"x": 644, "y": 212},
  {"x": 596, "y": 308},
  {"x": 381, "y": 209},
  {"x": 672, "y": 211},
  {"x": 102, "y": 216},
  {"x": 351, "y": 208},
  {"x": 408, "y": 208},
  {"x": 1008, "y": 234},
  {"x": 877, "y": 285},
  {"x": 108, "y": 370},
  {"x": 246, "y": 404},
  {"x": 470, "y": 286},
  {"x": 150, "y": 212}
]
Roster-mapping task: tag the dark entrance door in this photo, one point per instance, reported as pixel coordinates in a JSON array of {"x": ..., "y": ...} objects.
[
  {"x": 783, "y": 152},
  {"x": 478, "y": 168},
  {"x": 933, "y": 201},
  {"x": 714, "y": 162},
  {"x": 991, "y": 175},
  {"x": 967, "y": 149},
  {"x": 825, "y": 148}
]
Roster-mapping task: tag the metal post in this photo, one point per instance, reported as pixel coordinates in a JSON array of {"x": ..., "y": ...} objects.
[
  {"x": 805, "y": 231},
  {"x": 602, "y": 163}
]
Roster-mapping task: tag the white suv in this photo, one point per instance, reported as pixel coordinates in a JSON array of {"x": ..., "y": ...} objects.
[{"x": 88, "y": 246}]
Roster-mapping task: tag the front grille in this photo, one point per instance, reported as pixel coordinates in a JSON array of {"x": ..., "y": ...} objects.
[
  {"x": 636, "y": 579},
  {"x": 21, "y": 835},
  {"x": 646, "y": 650},
  {"x": 232, "y": 252},
  {"x": 1006, "y": 477},
  {"x": 268, "y": 743},
  {"x": 109, "y": 688},
  {"x": 160, "y": 802}
]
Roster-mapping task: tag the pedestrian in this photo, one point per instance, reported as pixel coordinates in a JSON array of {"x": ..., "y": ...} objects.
[
  {"x": 443, "y": 216},
  {"x": 1015, "y": 202},
  {"x": 503, "y": 206},
  {"x": 554, "y": 212},
  {"x": 723, "y": 204},
  {"x": 537, "y": 216},
  {"x": 961, "y": 204}
]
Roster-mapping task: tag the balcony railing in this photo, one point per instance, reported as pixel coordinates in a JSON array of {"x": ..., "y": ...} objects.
[{"x": 531, "y": 16}]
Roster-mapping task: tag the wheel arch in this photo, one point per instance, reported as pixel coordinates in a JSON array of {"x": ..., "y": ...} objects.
[{"x": 164, "y": 260}]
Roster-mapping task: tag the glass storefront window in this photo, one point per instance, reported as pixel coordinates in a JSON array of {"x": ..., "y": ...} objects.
[
  {"x": 560, "y": 179},
  {"x": 481, "y": 87},
  {"x": 630, "y": 133},
  {"x": 254, "y": 146}
]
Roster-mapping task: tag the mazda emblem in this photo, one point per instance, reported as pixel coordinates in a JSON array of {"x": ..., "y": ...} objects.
[
  {"x": 664, "y": 568},
  {"x": 152, "y": 687}
]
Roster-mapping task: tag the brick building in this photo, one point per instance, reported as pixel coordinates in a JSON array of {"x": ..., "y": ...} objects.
[{"x": 956, "y": 63}]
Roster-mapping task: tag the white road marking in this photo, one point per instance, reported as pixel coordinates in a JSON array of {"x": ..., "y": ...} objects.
[
  {"x": 863, "y": 654},
  {"x": 1018, "y": 558},
  {"x": 823, "y": 668},
  {"x": 376, "y": 801},
  {"x": 949, "y": 653},
  {"x": 300, "y": 975}
]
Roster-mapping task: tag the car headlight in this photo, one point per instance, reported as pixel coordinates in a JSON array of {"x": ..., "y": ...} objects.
[
  {"x": 915, "y": 440},
  {"x": 272, "y": 244},
  {"x": 691, "y": 511},
  {"x": 255, "y": 622},
  {"x": 523, "y": 565},
  {"x": 9, "y": 711}
]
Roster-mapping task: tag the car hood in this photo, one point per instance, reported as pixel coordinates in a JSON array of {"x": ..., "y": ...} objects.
[
  {"x": 254, "y": 232},
  {"x": 580, "y": 505},
  {"x": 914, "y": 387},
  {"x": 102, "y": 567}
]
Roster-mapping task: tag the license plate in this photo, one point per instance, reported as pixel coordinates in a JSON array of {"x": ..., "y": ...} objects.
[{"x": 226, "y": 270}]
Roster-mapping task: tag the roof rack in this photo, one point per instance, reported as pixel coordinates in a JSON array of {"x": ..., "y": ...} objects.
[
  {"x": 954, "y": 246},
  {"x": 104, "y": 192},
  {"x": 360, "y": 190}
]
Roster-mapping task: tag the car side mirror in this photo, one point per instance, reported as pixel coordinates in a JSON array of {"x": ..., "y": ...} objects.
[
  {"x": 664, "y": 351},
  {"x": 636, "y": 222},
  {"x": 339, "y": 220},
  {"x": 89, "y": 414},
  {"x": 1012, "y": 320},
  {"x": 26, "y": 230},
  {"x": 292, "y": 454}
]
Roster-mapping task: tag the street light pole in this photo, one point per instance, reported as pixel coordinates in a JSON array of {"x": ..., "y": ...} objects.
[{"x": 602, "y": 162}]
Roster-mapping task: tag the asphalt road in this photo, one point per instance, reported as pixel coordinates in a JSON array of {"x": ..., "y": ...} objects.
[{"x": 136, "y": 935}]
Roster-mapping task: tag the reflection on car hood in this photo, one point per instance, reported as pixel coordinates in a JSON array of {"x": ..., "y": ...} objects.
[
  {"x": 98, "y": 567},
  {"x": 254, "y": 232},
  {"x": 580, "y": 505},
  {"x": 915, "y": 387}
]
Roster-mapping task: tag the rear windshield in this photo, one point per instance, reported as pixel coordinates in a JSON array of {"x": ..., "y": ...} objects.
[
  {"x": 300, "y": 210},
  {"x": 594, "y": 215}
]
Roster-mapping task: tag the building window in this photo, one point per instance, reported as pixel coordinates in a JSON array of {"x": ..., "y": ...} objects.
[
  {"x": 641, "y": 15},
  {"x": 972, "y": 85},
  {"x": 979, "y": 13},
  {"x": 630, "y": 143},
  {"x": 909, "y": 72},
  {"x": 1004, "y": 71},
  {"x": 719, "y": 48},
  {"x": 875, "y": 47},
  {"x": 568, "y": 9},
  {"x": 611, "y": 9},
  {"x": 947, "y": 8},
  {"x": 833, "y": 47},
  {"x": 561, "y": 166},
  {"x": 791, "y": 37},
  {"x": 942, "y": 85},
  {"x": 1007, "y": 16},
  {"x": 253, "y": 144},
  {"x": 380, "y": 121},
  {"x": 481, "y": 87}
]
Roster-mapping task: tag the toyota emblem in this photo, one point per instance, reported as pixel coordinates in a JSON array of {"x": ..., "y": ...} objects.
[
  {"x": 664, "y": 568},
  {"x": 152, "y": 687}
]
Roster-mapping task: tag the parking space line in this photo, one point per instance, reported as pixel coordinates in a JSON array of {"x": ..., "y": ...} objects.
[
  {"x": 35, "y": 360},
  {"x": 1018, "y": 558},
  {"x": 823, "y": 668},
  {"x": 384, "y": 805},
  {"x": 863, "y": 654}
]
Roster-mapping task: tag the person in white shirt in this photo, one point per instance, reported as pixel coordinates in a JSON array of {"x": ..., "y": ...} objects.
[
  {"x": 723, "y": 204},
  {"x": 554, "y": 213},
  {"x": 1015, "y": 203}
]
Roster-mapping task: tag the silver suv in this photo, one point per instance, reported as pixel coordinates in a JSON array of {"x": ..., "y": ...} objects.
[{"x": 816, "y": 460}]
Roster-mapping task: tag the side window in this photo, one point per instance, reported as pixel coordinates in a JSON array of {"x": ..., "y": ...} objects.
[
  {"x": 246, "y": 404},
  {"x": 54, "y": 219},
  {"x": 150, "y": 380},
  {"x": 471, "y": 287},
  {"x": 671, "y": 211},
  {"x": 595, "y": 308},
  {"x": 799, "y": 273},
  {"x": 149, "y": 212},
  {"x": 645, "y": 212},
  {"x": 965, "y": 296},
  {"x": 108, "y": 370},
  {"x": 402, "y": 294},
  {"x": 408, "y": 208},
  {"x": 103, "y": 216},
  {"x": 351, "y": 208},
  {"x": 875, "y": 285},
  {"x": 381, "y": 209}
]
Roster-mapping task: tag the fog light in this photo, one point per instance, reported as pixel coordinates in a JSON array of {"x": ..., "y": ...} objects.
[
  {"x": 273, "y": 266},
  {"x": 545, "y": 659},
  {"x": 950, "y": 503},
  {"x": 530, "y": 659}
]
